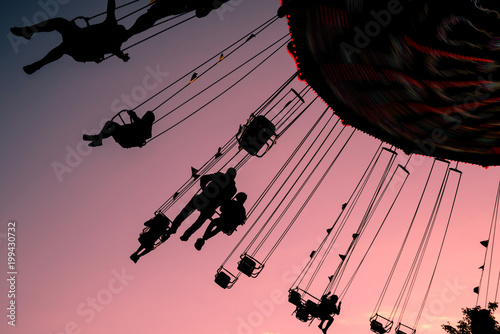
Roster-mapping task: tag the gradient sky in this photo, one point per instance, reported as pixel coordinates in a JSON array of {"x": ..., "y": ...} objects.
[{"x": 76, "y": 230}]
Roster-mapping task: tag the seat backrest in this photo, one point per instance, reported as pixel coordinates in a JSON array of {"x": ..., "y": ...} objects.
[
  {"x": 222, "y": 279},
  {"x": 294, "y": 298},
  {"x": 377, "y": 327},
  {"x": 256, "y": 134},
  {"x": 161, "y": 219},
  {"x": 246, "y": 266}
]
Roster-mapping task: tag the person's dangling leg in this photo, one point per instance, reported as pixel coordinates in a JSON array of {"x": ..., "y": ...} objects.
[
  {"x": 329, "y": 322},
  {"x": 185, "y": 212},
  {"x": 146, "y": 21},
  {"x": 135, "y": 256},
  {"x": 58, "y": 24},
  {"x": 52, "y": 56},
  {"x": 211, "y": 231},
  {"x": 204, "y": 215},
  {"x": 146, "y": 251},
  {"x": 108, "y": 130}
]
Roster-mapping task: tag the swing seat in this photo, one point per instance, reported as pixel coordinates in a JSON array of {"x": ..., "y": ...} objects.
[
  {"x": 228, "y": 228},
  {"x": 407, "y": 330},
  {"x": 161, "y": 219},
  {"x": 145, "y": 239},
  {"x": 247, "y": 266},
  {"x": 377, "y": 327},
  {"x": 153, "y": 241},
  {"x": 301, "y": 314},
  {"x": 311, "y": 308},
  {"x": 222, "y": 279},
  {"x": 294, "y": 298},
  {"x": 256, "y": 134}
]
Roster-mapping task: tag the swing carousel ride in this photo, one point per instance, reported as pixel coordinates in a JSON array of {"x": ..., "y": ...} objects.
[{"x": 357, "y": 122}]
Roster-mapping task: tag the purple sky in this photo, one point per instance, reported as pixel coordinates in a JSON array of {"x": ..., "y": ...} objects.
[{"x": 76, "y": 229}]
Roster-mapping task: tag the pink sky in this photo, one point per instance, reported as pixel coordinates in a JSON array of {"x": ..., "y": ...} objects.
[{"x": 75, "y": 232}]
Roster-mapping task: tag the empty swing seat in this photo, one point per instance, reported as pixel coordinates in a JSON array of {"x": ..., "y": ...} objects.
[
  {"x": 407, "y": 330},
  {"x": 294, "y": 298},
  {"x": 377, "y": 327},
  {"x": 247, "y": 266},
  {"x": 222, "y": 279},
  {"x": 256, "y": 134}
]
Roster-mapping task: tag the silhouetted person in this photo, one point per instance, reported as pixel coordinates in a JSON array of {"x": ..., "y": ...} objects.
[
  {"x": 91, "y": 43},
  {"x": 326, "y": 308},
  {"x": 232, "y": 214},
  {"x": 157, "y": 229},
  {"x": 216, "y": 189},
  {"x": 164, "y": 8},
  {"x": 130, "y": 135}
]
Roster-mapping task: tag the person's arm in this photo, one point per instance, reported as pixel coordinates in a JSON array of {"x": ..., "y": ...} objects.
[
  {"x": 123, "y": 56},
  {"x": 110, "y": 16},
  {"x": 133, "y": 116},
  {"x": 205, "y": 179}
]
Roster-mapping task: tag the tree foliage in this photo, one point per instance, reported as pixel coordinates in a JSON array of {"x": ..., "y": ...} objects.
[{"x": 476, "y": 321}]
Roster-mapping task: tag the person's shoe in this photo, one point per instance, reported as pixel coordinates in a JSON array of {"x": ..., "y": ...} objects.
[
  {"x": 30, "y": 69},
  {"x": 95, "y": 140},
  {"x": 199, "y": 243},
  {"x": 21, "y": 32},
  {"x": 184, "y": 237},
  {"x": 134, "y": 258}
]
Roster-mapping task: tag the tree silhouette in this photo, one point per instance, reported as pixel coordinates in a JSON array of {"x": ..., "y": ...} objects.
[{"x": 476, "y": 321}]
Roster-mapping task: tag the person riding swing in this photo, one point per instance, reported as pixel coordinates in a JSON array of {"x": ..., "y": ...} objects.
[
  {"x": 232, "y": 214},
  {"x": 156, "y": 228},
  {"x": 130, "y": 135},
  {"x": 326, "y": 309},
  {"x": 216, "y": 189},
  {"x": 88, "y": 44},
  {"x": 164, "y": 8}
]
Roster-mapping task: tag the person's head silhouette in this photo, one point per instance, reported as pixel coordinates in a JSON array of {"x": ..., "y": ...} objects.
[
  {"x": 241, "y": 197},
  {"x": 231, "y": 172},
  {"x": 149, "y": 117}
]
